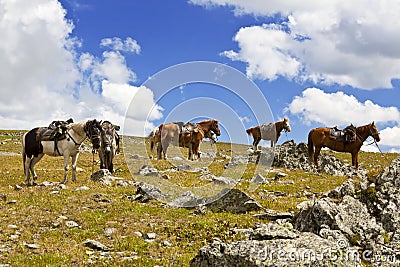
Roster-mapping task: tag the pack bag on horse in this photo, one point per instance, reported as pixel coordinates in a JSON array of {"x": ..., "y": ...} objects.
[
  {"x": 109, "y": 145},
  {"x": 33, "y": 149},
  {"x": 269, "y": 131},
  {"x": 349, "y": 140}
]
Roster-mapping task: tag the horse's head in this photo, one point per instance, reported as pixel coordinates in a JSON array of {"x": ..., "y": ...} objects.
[
  {"x": 215, "y": 128},
  {"x": 374, "y": 132},
  {"x": 93, "y": 130},
  {"x": 286, "y": 125},
  {"x": 107, "y": 135}
]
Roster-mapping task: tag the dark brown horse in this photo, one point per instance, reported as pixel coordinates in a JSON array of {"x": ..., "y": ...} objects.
[
  {"x": 271, "y": 133},
  {"x": 193, "y": 139},
  {"x": 320, "y": 137},
  {"x": 165, "y": 134}
]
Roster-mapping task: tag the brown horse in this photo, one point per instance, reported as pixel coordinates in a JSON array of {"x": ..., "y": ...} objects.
[
  {"x": 204, "y": 129},
  {"x": 271, "y": 133},
  {"x": 320, "y": 137},
  {"x": 191, "y": 137}
]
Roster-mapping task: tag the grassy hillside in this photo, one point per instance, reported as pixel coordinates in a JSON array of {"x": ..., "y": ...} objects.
[{"x": 34, "y": 229}]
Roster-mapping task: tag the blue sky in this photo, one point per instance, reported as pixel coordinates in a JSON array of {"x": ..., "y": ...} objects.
[{"x": 319, "y": 63}]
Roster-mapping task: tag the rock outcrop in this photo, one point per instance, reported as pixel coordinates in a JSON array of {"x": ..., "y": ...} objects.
[{"x": 343, "y": 228}]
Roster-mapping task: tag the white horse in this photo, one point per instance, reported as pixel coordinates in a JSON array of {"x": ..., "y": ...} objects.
[{"x": 33, "y": 149}]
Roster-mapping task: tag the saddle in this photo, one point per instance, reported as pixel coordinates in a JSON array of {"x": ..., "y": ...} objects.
[
  {"x": 347, "y": 135},
  {"x": 265, "y": 129},
  {"x": 55, "y": 131}
]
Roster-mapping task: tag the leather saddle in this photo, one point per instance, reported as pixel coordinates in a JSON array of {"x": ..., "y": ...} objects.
[
  {"x": 346, "y": 135},
  {"x": 57, "y": 130}
]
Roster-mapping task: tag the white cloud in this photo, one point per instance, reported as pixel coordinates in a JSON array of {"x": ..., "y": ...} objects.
[
  {"x": 44, "y": 77},
  {"x": 36, "y": 55},
  {"x": 314, "y": 105},
  {"x": 330, "y": 42},
  {"x": 244, "y": 119},
  {"x": 390, "y": 137},
  {"x": 265, "y": 61},
  {"x": 129, "y": 45}
]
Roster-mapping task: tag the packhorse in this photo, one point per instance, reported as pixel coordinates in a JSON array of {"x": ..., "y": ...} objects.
[
  {"x": 109, "y": 146},
  {"x": 321, "y": 137},
  {"x": 270, "y": 132},
  {"x": 33, "y": 148},
  {"x": 188, "y": 135}
]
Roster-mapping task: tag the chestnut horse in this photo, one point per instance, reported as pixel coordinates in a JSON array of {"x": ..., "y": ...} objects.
[
  {"x": 165, "y": 134},
  {"x": 193, "y": 140},
  {"x": 320, "y": 137},
  {"x": 270, "y": 135}
]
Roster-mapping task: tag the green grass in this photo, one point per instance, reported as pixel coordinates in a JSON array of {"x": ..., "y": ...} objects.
[{"x": 40, "y": 215}]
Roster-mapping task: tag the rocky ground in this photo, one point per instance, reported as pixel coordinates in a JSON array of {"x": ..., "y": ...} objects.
[{"x": 346, "y": 227}]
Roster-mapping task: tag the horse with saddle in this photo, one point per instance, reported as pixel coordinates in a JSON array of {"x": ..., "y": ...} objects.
[{"x": 188, "y": 135}]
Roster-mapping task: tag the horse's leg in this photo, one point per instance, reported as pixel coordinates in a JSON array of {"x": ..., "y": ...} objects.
[
  {"x": 66, "y": 167},
  {"x": 28, "y": 170},
  {"x": 32, "y": 167},
  {"x": 256, "y": 142},
  {"x": 159, "y": 150},
  {"x": 74, "y": 160},
  {"x": 354, "y": 160},
  {"x": 165, "y": 145},
  {"x": 316, "y": 154}
]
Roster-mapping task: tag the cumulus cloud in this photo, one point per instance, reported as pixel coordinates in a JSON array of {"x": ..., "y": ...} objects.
[
  {"x": 44, "y": 77},
  {"x": 329, "y": 42},
  {"x": 314, "y": 105},
  {"x": 116, "y": 43},
  {"x": 390, "y": 137}
]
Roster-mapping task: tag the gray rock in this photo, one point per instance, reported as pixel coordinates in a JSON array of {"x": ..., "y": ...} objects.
[
  {"x": 82, "y": 188},
  {"x": 187, "y": 199},
  {"x": 183, "y": 167},
  {"x": 235, "y": 201},
  {"x": 259, "y": 179},
  {"x": 273, "y": 215},
  {"x": 147, "y": 170},
  {"x": 224, "y": 181},
  {"x": 147, "y": 192},
  {"x": 96, "y": 245},
  {"x": 305, "y": 250}
]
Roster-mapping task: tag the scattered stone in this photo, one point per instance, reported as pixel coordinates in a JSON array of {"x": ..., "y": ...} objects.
[
  {"x": 17, "y": 187},
  {"x": 71, "y": 224},
  {"x": 187, "y": 199},
  {"x": 230, "y": 165},
  {"x": 147, "y": 170},
  {"x": 183, "y": 167},
  {"x": 139, "y": 234},
  {"x": 135, "y": 156},
  {"x": 224, "y": 181},
  {"x": 3, "y": 197},
  {"x": 274, "y": 215},
  {"x": 149, "y": 236},
  {"x": 96, "y": 245},
  {"x": 13, "y": 201},
  {"x": 108, "y": 232},
  {"x": 82, "y": 188},
  {"x": 259, "y": 179},
  {"x": 235, "y": 201},
  {"x": 12, "y": 226},
  {"x": 166, "y": 243},
  {"x": 286, "y": 182},
  {"x": 33, "y": 246},
  {"x": 177, "y": 158},
  {"x": 280, "y": 175},
  {"x": 147, "y": 192}
]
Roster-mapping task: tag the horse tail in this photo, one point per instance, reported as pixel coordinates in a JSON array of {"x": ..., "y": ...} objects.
[
  {"x": 310, "y": 146},
  {"x": 249, "y": 131},
  {"x": 23, "y": 152}
]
